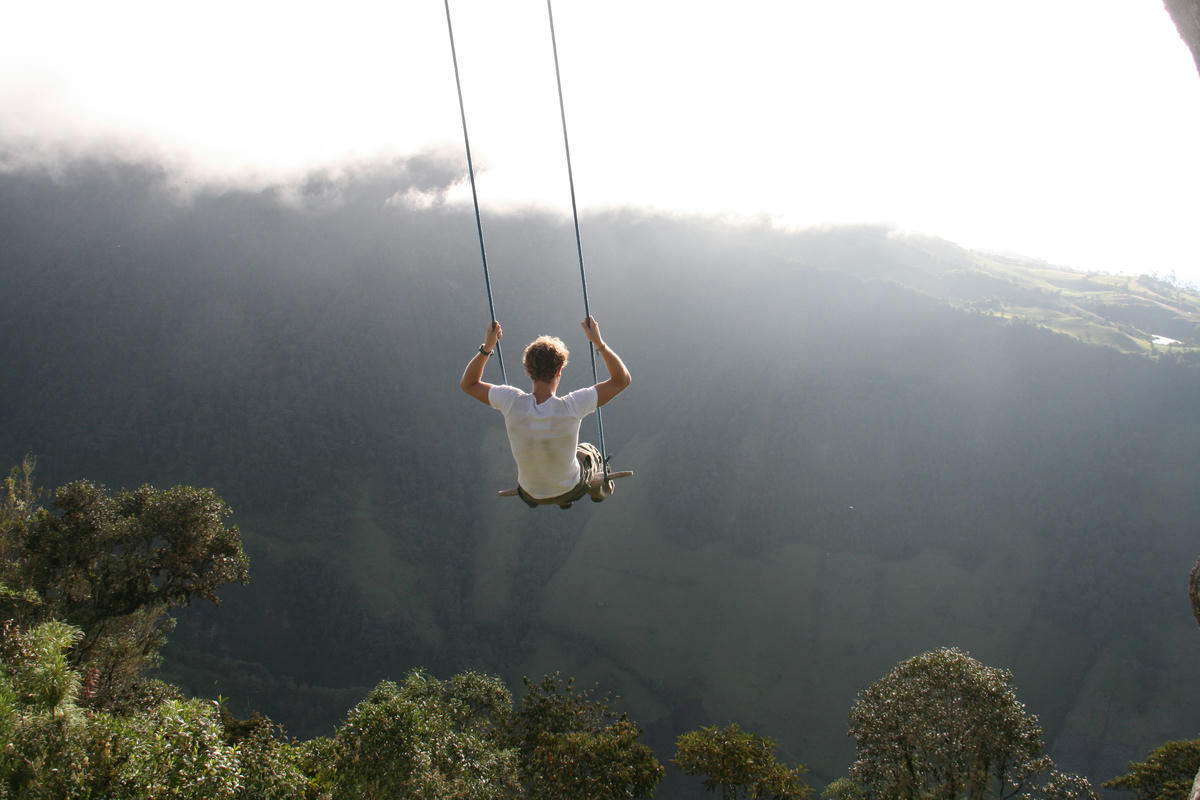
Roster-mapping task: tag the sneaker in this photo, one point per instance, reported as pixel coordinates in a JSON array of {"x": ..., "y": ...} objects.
[{"x": 602, "y": 491}]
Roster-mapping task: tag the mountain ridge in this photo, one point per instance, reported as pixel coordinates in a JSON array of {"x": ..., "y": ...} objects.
[{"x": 840, "y": 460}]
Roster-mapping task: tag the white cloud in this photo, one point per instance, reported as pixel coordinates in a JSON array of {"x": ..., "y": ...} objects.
[{"x": 1064, "y": 130}]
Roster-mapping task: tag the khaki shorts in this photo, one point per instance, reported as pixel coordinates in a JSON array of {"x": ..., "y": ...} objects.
[{"x": 590, "y": 464}]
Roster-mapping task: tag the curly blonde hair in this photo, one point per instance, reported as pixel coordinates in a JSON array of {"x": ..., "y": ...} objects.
[{"x": 544, "y": 357}]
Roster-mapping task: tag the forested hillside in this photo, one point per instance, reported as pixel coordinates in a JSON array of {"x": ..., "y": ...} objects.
[{"x": 851, "y": 447}]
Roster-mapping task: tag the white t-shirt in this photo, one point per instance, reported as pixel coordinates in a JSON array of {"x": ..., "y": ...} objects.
[{"x": 544, "y": 436}]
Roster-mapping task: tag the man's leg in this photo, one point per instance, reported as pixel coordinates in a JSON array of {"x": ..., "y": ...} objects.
[{"x": 591, "y": 467}]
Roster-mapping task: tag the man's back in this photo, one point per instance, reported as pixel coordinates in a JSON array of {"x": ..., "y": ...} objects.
[{"x": 544, "y": 436}]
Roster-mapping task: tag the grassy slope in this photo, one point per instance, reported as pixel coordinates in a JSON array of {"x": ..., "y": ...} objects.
[{"x": 1123, "y": 312}]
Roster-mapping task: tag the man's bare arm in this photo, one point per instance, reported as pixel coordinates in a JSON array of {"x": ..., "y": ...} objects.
[
  {"x": 472, "y": 378},
  {"x": 618, "y": 374}
]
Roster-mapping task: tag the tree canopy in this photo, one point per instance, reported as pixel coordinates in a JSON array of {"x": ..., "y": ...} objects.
[
  {"x": 427, "y": 738},
  {"x": 112, "y": 565},
  {"x": 741, "y": 764},
  {"x": 574, "y": 747},
  {"x": 1166, "y": 774},
  {"x": 87, "y": 581},
  {"x": 942, "y": 725}
]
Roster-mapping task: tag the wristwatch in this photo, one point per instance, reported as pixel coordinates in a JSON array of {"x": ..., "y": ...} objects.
[{"x": 487, "y": 353}]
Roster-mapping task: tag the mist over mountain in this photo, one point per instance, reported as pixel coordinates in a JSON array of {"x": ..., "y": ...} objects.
[{"x": 851, "y": 446}]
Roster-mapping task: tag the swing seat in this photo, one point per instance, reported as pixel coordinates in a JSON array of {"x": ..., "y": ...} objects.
[{"x": 594, "y": 483}]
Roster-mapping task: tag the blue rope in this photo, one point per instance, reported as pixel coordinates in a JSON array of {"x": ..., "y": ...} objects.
[
  {"x": 487, "y": 280},
  {"x": 578, "y": 241}
]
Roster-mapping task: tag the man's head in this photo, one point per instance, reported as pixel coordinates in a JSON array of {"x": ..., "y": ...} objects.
[{"x": 544, "y": 357}]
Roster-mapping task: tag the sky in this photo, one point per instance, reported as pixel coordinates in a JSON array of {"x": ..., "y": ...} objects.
[{"x": 1063, "y": 130}]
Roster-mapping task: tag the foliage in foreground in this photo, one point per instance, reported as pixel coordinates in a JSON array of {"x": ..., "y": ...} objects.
[
  {"x": 113, "y": 566},
  {"x": 87, "y": 584},
  {"x": 942, "y": 726},
  {"x": 1166, "y": 774},
  {"x": 458, "y": 739},
  {"x": 572, "y": 746},
  {"x": 56, "y": 749},
  {"x": 426, "y": 739},
  {"x": 741, "y": 764}
]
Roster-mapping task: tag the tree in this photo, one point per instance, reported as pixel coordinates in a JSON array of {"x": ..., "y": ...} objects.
[
  {"x": 1065, "y": 786},
  {"x": 112, "y": 565},
  {"x": 426, "y": 739},
  {"x": 605, "y": 764},
  {"x": 573, "y": 747},
  {"x": 176, "y": 751},
  {"x": 843, "y": 789},
  {"x": 1166, "y": 774},
  {"x": 553, "y": 705},
  {"x": 741, "y": 763},
  {"x": 45, "y": 750},
  {"x": 942, "y": 725},
  {"x": 270, "y": 768}
]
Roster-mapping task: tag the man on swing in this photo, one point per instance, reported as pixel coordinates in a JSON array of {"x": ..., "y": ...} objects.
[{"x": 553, "y": 466}]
